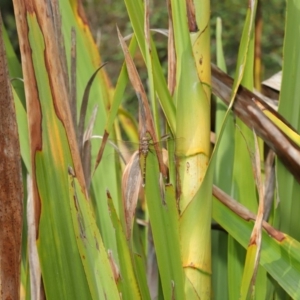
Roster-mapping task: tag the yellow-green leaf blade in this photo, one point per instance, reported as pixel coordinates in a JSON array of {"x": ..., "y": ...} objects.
[
  {"x": 164, "y": 221},
  {"x": 93, "y": 255}
]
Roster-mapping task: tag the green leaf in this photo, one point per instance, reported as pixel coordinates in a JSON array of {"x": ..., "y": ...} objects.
[
  {"x": 280, "y": 257},
  {"x": 136, "y": 15},
  {"x": 94, "y": 258},
  {"x": 88, "y": 60},
  {"x": 289, "y": 106},
  {"x": 164, "y": 221},
  {"x": 56, "y": 243},
  {"x": 128, "y": 279},
  {"x": 23, "y": 131}
]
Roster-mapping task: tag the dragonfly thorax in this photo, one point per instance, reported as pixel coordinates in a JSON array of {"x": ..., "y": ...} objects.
[{"x": 144, "y": 146}]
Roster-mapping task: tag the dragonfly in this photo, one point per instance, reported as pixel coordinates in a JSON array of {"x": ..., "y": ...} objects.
[
  {"x": 123, "y": 150},
  {"x": 143, "y": 153}
]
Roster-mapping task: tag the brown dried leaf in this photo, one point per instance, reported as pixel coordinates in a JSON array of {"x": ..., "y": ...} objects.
[
  {"x": 100, "y": 153},
  {"x": 191, "y": 16},
  {"x": 248, "y": 107},
  {"x": 244, "y": 212},
  {"x": 11, "y": 188}
]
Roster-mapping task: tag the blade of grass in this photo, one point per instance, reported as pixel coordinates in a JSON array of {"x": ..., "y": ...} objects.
[
  {"x": 117, "y": 98},
  {"x": 14, "y": 67},
  {"x": 136, "y": 15},
  {"x": 23, "y": 131},
  {"x": 289, "y": 106},
  {"x": 149, "y": 65},
  {"x": 94, "y": 257},
  {"x": 164, "y": 221},
  {"x": 223, "y": 179},
  {"x": 129, "y": 279},
  {"x": 239, "y": 280},
  {"x": 88, "y": 60},
  {"x": 279, "y": 254},
  {"x": 254, "y": 247},
  {"x": 53, "y": 149}
]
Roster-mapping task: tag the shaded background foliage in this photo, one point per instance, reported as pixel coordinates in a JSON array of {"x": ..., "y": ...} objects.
[{"x": 104, "y": 15}]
